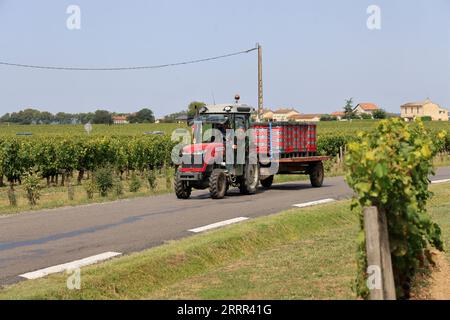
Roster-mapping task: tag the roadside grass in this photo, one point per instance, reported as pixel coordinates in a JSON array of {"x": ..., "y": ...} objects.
[
  {"x": 423, "y": 285},
  {"x": 320, "y": 267},
  {"x": 440, "y": 211},
  {"x": 304, "y": 253},
  {"x": 57, "y": 196},
  {"x": 442, "y": 160}
]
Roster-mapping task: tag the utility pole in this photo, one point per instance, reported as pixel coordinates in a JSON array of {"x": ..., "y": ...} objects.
[{"x": 260, "y": 84}]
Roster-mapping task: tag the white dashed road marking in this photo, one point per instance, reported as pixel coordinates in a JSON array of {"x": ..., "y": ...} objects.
[
  {"x": 69, "y": 266},
  {"x": 313, "y": 203},
  {"x": 440, "y": 181},
  {"x": 218, "y": 225}
]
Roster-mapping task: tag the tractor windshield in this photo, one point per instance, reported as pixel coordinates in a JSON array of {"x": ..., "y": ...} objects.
[
  {"x": 210, "y": 119},
  {"x": 202, "y": 124}
]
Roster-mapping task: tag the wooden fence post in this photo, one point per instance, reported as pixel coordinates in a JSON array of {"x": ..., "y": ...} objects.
[{"x": 379, "y": 254}]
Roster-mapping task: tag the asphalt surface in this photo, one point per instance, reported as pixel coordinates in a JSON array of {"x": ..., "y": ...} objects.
[{"x": 40, "y": 239}]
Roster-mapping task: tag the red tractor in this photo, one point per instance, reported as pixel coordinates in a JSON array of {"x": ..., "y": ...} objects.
[{"x": 243, "y": 153}]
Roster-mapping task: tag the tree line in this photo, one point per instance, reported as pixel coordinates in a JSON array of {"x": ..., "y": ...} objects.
[
  {"x": 185, "y": 114},
  {"x": 34, "y": 116}
]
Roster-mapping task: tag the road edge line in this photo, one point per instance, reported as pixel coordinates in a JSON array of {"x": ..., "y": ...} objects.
[
  {"x": 314, "y": 203},
  {"x": 218, "y": 224},
  {"x": 70, "y": 265}
]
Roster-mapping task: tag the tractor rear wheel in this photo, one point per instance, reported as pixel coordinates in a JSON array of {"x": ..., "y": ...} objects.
[
  {"x": 249, "y": 182},
  {"x": 316, "y": 175},
  {"x": 182, "y": 190},
  {"x": 218, "y": 184},
  {"x": 267, "y": 183}
]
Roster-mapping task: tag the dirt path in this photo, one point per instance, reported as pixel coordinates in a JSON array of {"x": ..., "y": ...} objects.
[{"x": 440, "y": 285}]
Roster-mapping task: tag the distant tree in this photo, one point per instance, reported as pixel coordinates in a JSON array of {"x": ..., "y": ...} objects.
[
  {"x": 27, "y": 116},
  {"x": 379, "y": 114},
  {"x": 366, "y": 116},
  {"x": 85, "y": 117},
  {"x": 143, "y": 116},
  {"x": 392, "y": 115},
  {"x": 102, "y": 117},
  {"x": 348, "y": 109},
  {"x": 46, "y": 117},
  {"x": 5, "y": 118},
  {"x": 193, "y": 107},
  {"x": 63, "y": 118},
  {"x": 172, "y": 118},
  {"x": 327, "y": 117}
]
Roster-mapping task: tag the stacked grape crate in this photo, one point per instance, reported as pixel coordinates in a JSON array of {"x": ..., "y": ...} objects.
[{"x": 286, "y": 139}]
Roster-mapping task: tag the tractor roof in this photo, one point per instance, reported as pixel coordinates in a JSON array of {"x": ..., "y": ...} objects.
[{"x": 227, "y": 108}]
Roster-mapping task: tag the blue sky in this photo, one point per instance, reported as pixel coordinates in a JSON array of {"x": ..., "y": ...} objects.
[{"x": 316, "y": 53}]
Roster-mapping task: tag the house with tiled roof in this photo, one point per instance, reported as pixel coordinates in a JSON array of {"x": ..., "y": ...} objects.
[
  {"x": 338, "y": 114},
  {"x": 267, "y": 114},
  {"x": 305, "y": 117},
  {"x": 283, "y": 114},
  {"x": 427, "y": 108},
  {"x": 365, "y": 108},
  {"x": 120, "y": 119}
]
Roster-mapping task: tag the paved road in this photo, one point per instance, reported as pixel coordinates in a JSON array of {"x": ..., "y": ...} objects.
[{"x": 36, "y": 240}]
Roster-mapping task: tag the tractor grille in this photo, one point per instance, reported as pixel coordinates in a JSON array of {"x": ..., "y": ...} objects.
[{"x": 192, "y": 165}]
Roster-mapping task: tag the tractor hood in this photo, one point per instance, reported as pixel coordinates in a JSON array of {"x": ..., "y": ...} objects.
[{"x": 202, "y": 147}]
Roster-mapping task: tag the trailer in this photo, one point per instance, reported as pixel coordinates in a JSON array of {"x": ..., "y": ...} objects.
[{"x": 291, "y": 148}]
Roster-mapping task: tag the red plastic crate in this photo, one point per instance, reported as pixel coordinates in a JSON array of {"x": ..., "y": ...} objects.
[{"x": 286, "y": 137}]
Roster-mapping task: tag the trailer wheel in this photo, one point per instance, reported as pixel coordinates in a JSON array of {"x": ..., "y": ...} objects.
[
  {"x": 316, "y": 175},
  {"x": 249, "y": 182},
  {"x": 267, "y": 183},
  {"x": 182, "y": 190},
  {"x": 218, "y": 184}
]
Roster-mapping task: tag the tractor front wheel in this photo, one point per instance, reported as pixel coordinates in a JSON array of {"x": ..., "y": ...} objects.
[
  {"x": 218, "y": 184},
  {"x": 182, "y": 190}
]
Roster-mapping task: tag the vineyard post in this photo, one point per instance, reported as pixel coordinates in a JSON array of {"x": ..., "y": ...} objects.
[
  {"x": 11, "y": 194},
  {"x": 379, "y": 253},
  {"x": 70, "y": 190}
]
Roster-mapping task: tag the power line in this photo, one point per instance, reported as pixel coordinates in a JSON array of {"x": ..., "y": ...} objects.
[{"x": 9, "y": 64}]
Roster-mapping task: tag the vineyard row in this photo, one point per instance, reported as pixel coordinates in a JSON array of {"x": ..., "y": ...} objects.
[{"x": 50, "y": 156}]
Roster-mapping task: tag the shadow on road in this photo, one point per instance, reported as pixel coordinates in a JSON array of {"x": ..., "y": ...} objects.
[
  {"x": 296, "y": 186},
  {"x": 234, "y": 192}
]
